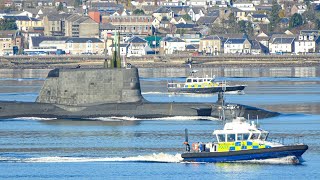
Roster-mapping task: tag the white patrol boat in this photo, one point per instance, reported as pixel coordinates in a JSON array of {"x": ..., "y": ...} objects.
[
  {"x": 239, "y": 140},
  {"x": 203, "y": 85}
]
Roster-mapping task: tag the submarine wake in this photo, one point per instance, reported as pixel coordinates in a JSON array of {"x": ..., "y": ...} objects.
[{"x": 173, "y": 118}]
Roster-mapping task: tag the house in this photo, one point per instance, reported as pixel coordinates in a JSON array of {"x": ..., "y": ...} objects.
[
  {"x": 240, "y": 15},
  {"x": 281, "y": 44},
  {"x": 123, "y": 49},
  {"x": 298, "y": 8},
  {"x": 77, "y": 45},
  {"x": 24, "y": 23},
  {"x": 141, "y": 25},
  {"x": 210, "y": 45},
  {"x": 7, "y": 41},
  {"x": 172, "y": 45},
  {"x": 258, "y": 18},
  {"x": 81, "y": 26},
  {"x": 201, "y": 3},
  {"x": 306, "y": 41},
  {"x": 195, "y": 13},
  {"x": 237, "y": 46},
  {"x": 263, "y": 39},
  {"x": 163, "y": 12},
  {"x": 244, "y": 6},
  {"x": 137, "y": 46},
  {"x": 54, "y": 24},
  {"x": 255, "y": 47},
  {"x": 192, "y": 47}
]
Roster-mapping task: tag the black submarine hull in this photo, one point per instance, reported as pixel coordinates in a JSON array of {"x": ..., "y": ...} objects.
[
  {"x": 100, "y": 92},
  {"x": 134, "y": 109}
]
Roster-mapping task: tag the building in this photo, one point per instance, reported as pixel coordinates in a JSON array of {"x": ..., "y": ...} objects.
[
  {"x": 280, "y": 45},
  {"x": 306, "y": 41},
  {"x": 84, "y": 46},
  {"x": 210, "y": 45},
  {"x": 137, "y": 46},
  {"x": 237, "y": 46},
  {"x": 80, "y": 26},
  {"x": 141, "y": 25},
  {"x": 172, "y": 45},
  {"x": 54, "y": 24}
]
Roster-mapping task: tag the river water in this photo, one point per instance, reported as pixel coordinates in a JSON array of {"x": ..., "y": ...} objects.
[{"x": 126, "y": 147}]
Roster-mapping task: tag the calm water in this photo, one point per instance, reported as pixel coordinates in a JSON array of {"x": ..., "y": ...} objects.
[{"x": 126, "y": 147}]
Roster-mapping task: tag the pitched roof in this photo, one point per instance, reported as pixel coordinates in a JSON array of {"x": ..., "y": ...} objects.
[
  {"x": 213, "y": 37},
  {"x": 185, "y": 26},
  {"x": 206, "y": 20},
  {"x": 107, "y": 26},
  {"x": 285, "y": 40},
  {"x": 162, "y": 9},
  {"x": 235, "y": 40},
  {"x": 83, "y": 40},
  {"x": 172, "y": 39},
  {"x": 136, "y": 39},
  {"x": 192, "y": 46},
  {"x": 259, "y": 16}
]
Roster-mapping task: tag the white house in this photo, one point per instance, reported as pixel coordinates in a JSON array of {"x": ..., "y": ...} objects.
[
  {"x": 237, "y": 46},
  {"x": 172, "y": 45},
  {"x": 197, "y": 2},
  {"x": 244, "y": 6},
  {"x": 195, "y": 13},
  {"x": 137, "y": 46},
  {"x": 123, "y": 50},
  {"x": 281, "y": 45},
  {"x": 306, "y": 43}
]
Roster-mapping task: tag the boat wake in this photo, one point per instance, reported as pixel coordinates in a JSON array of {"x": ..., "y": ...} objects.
[
  {"x": 34, "y": 118},
  {"x": 152, "y": 158},
  {"x": 160, "y": 158},
  {"x": 283, "y": 160}
]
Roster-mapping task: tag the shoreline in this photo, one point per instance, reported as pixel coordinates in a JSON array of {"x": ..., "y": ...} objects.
[{"x": 51, "y": 62}]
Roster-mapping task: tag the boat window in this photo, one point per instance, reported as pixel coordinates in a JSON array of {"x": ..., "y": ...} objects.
[
  {"x": 246, "y": 136},
  {"x": 194, "y": 80},
  {"x": 231, "y": 137},
  {"x": 221, "y": 138},
  {"x": 239, "y": 137},
  {"x": 188, "y": 80},
  {"x": 208, "y": 80},
  {"x": 263, "y": 136},
  {"x": 200, "y": 80},
  {"x": 254, "y": 136}
]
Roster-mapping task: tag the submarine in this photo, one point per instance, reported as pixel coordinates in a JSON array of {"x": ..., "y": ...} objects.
[{"x": 112, "y": 90}]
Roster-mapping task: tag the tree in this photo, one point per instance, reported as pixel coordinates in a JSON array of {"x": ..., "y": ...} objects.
[
  {"x": 7, "y": 24},
  {"x": 295, "y": 20},
  {"x": 274, "y": 16},
  {"x": 60, "y": 7},
  {"x": 246, "y": 27},
  {"x": 138, "y": 12}
]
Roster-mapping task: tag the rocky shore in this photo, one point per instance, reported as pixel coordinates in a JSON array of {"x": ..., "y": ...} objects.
[{"x": 155, "y": 61}]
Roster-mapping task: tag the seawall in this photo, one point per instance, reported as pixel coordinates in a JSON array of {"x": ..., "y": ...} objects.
[{"x": 160, "y": 61}]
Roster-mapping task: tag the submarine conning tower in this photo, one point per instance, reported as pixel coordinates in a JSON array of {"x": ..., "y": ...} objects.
[{"x": 83, "y": 87}]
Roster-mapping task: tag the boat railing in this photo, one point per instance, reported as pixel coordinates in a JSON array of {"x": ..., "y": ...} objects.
[
  {"x": 175, "y": 85},
  {"x": 287, "y": 140}
]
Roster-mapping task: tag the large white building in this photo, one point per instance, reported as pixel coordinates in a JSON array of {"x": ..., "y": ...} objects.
[
  {"x": 282, "y": 45},
  {"x": 172, "y": 45},
  {"x": 237, "y": 46}
]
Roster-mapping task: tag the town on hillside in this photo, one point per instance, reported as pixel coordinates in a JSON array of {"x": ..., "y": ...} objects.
[{"x": 165, "y": 27}]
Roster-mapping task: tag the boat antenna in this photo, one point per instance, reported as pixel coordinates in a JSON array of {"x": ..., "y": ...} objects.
[
  {"x": 223, "y": 104},
  {"x": 186, "y": 141}
]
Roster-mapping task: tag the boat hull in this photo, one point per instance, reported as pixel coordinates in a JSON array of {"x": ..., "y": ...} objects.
[
  {"x": 207, "y": 90},
  {"x": 254, "y": 154}
]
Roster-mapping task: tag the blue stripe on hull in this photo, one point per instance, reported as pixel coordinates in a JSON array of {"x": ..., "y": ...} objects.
[{"x": 266, "y": 155}]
